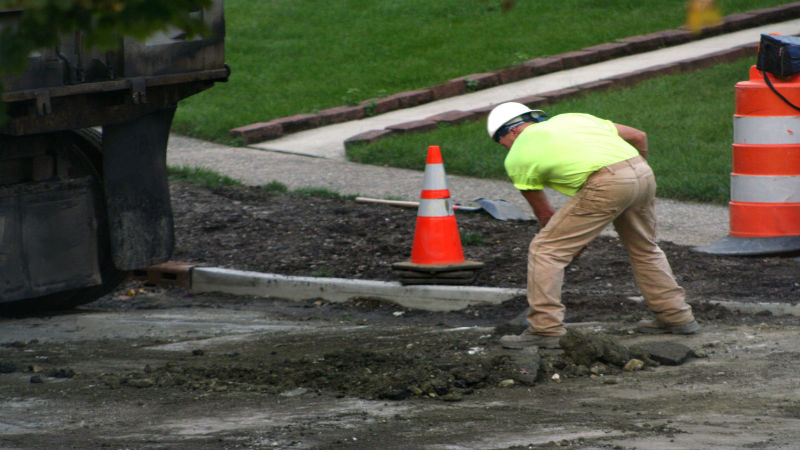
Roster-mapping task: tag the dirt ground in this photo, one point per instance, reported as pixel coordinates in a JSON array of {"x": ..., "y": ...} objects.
[
  {"x": 154, "y": 367},
  {"x": 245, "y": 228}
]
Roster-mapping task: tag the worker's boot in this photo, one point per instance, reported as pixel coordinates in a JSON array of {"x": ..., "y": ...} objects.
[
  {"x": 529, "y": 339},
  {"x": 655, "y": 326}
]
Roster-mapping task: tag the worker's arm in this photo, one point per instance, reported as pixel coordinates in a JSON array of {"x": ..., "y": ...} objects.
[
  {"x": 541, "y": 206},
  {"x": 636, "y": 138}
]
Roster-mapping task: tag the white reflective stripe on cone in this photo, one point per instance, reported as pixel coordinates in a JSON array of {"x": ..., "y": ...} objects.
[
  {"x": 765, "y": 189},
  {"x": 438, "y": 207},
  {"x": 434, "y": 178},
  {"x": 766, "y": 130}
]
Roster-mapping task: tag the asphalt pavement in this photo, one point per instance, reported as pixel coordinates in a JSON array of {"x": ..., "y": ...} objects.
[{"x": 316, "y": 158}]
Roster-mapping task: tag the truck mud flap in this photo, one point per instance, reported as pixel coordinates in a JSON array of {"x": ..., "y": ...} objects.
[
  {"x": 35, "y": 259},
  {"x": 137, "y": 190}
]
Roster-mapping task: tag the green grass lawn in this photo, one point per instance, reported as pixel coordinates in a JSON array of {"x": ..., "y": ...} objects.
[
  {"x": 688, "y": 118},
  {"x": 298, "y": 56}
]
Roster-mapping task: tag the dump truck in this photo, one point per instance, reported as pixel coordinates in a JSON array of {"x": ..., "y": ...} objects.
[{"x": 84, "y": 196}]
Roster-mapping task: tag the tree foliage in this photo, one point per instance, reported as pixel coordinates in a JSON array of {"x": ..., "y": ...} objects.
[{"x": 36, "y": 24}]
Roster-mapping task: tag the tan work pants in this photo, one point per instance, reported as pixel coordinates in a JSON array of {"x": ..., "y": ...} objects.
[{"x": 622, "y": 193}]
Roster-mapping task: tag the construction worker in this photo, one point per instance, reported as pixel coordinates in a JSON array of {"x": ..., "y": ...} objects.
[{"x": 602, "y": 166}]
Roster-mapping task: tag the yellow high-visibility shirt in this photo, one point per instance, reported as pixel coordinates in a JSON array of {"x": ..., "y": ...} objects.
[{"x": 563, "y": 151}]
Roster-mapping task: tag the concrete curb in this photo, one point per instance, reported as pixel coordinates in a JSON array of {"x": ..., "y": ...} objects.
[
  {"x": 277, "y": 128},
  {"x": 197, "y": 279},
  {"x": 338, "y": 290}
]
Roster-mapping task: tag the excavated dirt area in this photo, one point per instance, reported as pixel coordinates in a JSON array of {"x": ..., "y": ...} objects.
[
  {"x": 248, "y": 229},
  {"x": 158, "y": 367}
]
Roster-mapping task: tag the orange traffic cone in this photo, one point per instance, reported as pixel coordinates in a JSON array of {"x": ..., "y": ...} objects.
[
  {"x": 436, "y": 255},
  {"x": 436, "y": 239}
]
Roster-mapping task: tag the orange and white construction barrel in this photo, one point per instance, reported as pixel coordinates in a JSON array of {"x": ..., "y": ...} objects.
[{"x": 765, "y": 181}]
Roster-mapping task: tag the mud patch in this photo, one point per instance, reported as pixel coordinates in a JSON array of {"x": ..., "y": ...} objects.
[{"x": 445, "y": 365}]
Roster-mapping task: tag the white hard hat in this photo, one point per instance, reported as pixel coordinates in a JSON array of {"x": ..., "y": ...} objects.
[{"x": 506, "y": 112}]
